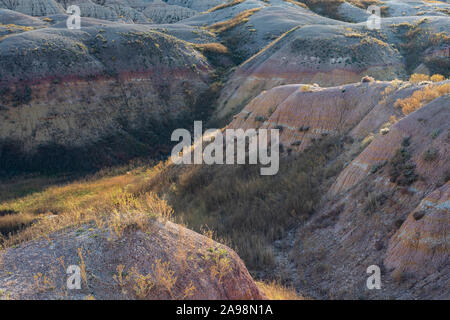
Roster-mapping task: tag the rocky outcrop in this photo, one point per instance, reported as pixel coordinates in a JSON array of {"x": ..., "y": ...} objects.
[{"x": 167, "y": 262}]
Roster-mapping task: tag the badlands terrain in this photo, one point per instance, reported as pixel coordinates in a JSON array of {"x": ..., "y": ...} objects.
[{"x": 86, "y": 178}]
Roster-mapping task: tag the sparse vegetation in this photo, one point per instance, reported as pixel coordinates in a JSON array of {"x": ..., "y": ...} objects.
[
  {"x": 437, "y": 78},
  {"x": 376, "y": 167},
  {"x": 200, "y": 195},
  {"x": 297, "y": 3},
  {"x": 367, "y": 140},
  {"x": 374, "y": 201},
  {"x": 161, "y": 279},
  {"x": 430, "y": 154},
  {"x": 418, "y": 77},
  {"x": 240, "y": 18},
  {"x": 421, "y": 97},
  {"x": 306, "y": 88},
  {"x": 417, "y": 39},
  {"x": 276, "y": 291},
  {"x": 402, "y": 169},
  {"x": 214, "y": 48}
]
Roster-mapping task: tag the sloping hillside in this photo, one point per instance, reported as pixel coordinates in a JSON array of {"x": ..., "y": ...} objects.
[
  {"x": 86, "y": 118},
  {"x": 161, "y": 261}
]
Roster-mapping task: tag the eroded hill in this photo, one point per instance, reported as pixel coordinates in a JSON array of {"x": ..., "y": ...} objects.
[{"x": 364, "y": 170}]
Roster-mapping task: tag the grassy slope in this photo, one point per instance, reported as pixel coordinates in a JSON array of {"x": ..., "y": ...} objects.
[{"x": 244, "y": 209}]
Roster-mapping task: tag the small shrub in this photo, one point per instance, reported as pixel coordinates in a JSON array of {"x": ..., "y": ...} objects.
[
  {"x": 399, "y": 276},
  {"x": 384, "y": 131},
  {"x": 214, "y": 47},
  {"x": 225, "y": 5},
  {"x": 276, "y": 291},
  {"x": 306, "y": 88},
  {"x": 406, "y": 142},
  {"x": 398, "y": 223},
  {"x": 303, "y": 128},
  {"x": 22, "y": 96},
  {"x": 260, "y": 118},
  {"x": 367, "y": 140},
  {"x": 430, "y": 154}
]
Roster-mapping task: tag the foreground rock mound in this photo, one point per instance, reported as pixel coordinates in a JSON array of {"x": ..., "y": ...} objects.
[
  {"x": 165, "y": 262},
  {"x": 106, "y": 85}
]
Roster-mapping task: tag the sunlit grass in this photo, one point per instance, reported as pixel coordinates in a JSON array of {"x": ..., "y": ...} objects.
[{"x": 276, "y": 291}]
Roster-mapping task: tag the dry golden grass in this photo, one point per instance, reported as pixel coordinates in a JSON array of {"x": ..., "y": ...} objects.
[
  {"x": 14, "y": 26},
  {"x": 234, "y": 201},
  {"x": 214, "y": 47},
  {"x": 12, "y": 222},
  {"x": 271, "y": 44},
  {"x": 418, "y": 77},
  {"x": 225, "y": 5},
  {"x": 231, "y": 23},
  {"x": 276, "y": 291},
  {"x": 106, "y": 202},
  {"x": 421, "y": 97},
  {"x": 162, "y": 278},
  {"x": 306, "y": 88}
]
